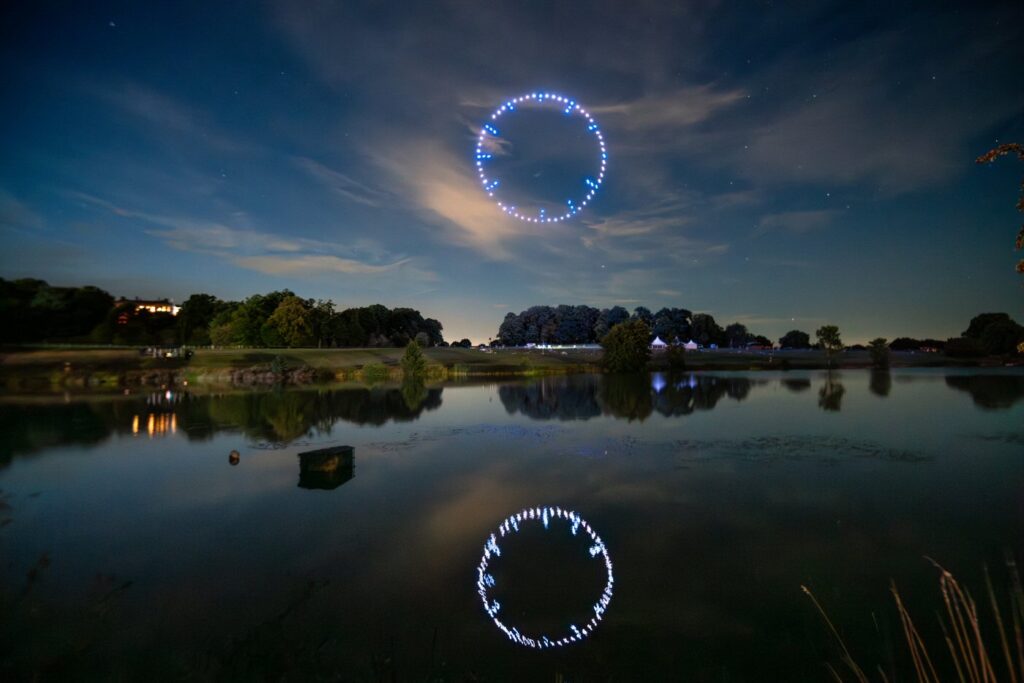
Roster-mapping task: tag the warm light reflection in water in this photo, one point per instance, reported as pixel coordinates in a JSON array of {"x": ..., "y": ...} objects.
[{"x": 157, "y": 424}]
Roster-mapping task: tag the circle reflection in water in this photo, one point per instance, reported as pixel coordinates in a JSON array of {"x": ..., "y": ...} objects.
[
  {"x": 554, "y": 520},
  {"x": 492, "y": 147}
]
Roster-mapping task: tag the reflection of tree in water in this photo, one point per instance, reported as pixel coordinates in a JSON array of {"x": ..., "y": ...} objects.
[
  {"x": 880, "y": 383},
  {"x": 277, "y": 416},
  {"x": 32, "y": 428},
  {"x": 627, "y": 396},
  {"x": 830, "y": 396},
  {"x": 685, "y": 394},
  {"x": 990, "y": 392},
  {"x": 289, "y": 415},
  {"x": 414, "y": 393},
  {"x": 552, "y": 398},
  {"x": 797, "y": 385},
  {"x": 632, "y": 397}
]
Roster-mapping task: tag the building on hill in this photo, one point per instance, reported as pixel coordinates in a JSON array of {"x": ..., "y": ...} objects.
[{"x": 150, "y": 305}]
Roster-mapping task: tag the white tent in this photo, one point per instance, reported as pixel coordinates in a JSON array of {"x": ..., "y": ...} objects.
[
  {"x": 690, "y": 345},
  {"x": 658, "y": 344}
]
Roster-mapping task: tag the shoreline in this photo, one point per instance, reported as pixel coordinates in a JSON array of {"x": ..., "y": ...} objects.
[{"x": 107, "y": 369}]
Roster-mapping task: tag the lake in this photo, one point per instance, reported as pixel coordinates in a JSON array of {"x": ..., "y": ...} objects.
[{"x": 131, "y": 547}]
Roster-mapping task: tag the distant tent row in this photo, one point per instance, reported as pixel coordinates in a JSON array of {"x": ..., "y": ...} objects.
[{"x": 658, "y": 345}]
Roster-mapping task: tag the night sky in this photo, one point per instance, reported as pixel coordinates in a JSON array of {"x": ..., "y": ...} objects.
[{"x": 780, "y": 165}]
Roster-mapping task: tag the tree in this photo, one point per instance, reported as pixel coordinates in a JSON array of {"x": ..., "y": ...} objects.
[
  {"x": 737, "y": 335},
  {"x": 465, "y": 343},
  {"x": 980, "y": 322},
  {"x": 905, "y": 344},
  {"x": 195, "y": 316},
  {"x": 992, "y": 155},
  {"x": 226, "y": 327},
  {"x": 795, "y": 339},
  {"x": 1001, "y": 337},
  {"x": 996, "y": 333},
  {"x": 672, "y": 323},
  {"x": 320, "y": 313},
  {"x": 433, "y": 329},
  {"x": 414, "y": 364},
  {"x": 291, "y": 324},
  {"x": 511, "y": 332},
  {"x": 705, "y": 331},
  {"x": 879, "y": 351},
  {"x": 643, "y": 313},
  {"x": 627, "y": 346},
  {"x": 607, "y": 319},
  {"x": 828, "y": 339},
  {"x": 964, "y": 347}
]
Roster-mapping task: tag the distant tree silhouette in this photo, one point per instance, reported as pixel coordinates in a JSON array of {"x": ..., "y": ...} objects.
[{"x": 829, "y": 340}]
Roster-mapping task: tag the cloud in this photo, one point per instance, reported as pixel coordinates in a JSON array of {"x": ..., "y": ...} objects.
[
  {"x": 169, "y": 118},
  {"x": 266, "y": 252},
  {"x": 323, "y": 263},
  {"x": 797, "y": 222},
  {"x": 342, "y": 185},
  {"x": 664, "y": 113},
  {"x": 442, "y": 189},
  {"x": 15, "y": 215}
]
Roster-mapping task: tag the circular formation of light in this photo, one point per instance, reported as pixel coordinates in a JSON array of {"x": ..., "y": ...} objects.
[
  {"x": 569, "y": 107},
  {"x": 544, "y": 515}
]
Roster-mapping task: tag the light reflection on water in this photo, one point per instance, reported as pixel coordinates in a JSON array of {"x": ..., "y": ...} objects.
[{"x": 720, "y": 493}]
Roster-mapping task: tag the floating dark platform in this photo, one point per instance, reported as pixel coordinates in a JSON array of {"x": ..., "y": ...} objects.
[{"x": 326, "y": 468}]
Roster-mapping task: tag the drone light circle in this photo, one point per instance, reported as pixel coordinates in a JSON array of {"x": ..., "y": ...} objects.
[
  {"x": 492, "y": 549},
  {"x": 569, "y": 107}
]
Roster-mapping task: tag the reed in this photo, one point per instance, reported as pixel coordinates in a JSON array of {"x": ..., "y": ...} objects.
[{"x": 966, "y": 632}]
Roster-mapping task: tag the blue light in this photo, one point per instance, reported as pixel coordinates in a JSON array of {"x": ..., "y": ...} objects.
[{"x": 570, "y": 107}]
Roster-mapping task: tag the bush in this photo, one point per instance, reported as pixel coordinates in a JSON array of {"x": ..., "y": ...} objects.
[
  {"x": 627, "y": 347},
  {"x": 279, "y": 365},
  {"x": 375, "y": 372},
  {"x": 414, "y": 365},
  {"x": 675, "y": 355}
]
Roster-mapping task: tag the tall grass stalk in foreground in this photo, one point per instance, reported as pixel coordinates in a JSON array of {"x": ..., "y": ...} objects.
[{"x": 962, "y": 630}]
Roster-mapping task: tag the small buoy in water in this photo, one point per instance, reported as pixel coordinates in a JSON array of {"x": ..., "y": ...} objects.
[{"x": 234, "y": 457}]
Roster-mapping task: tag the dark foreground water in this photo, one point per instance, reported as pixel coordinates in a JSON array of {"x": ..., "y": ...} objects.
[{"x": 132, "y": 549}]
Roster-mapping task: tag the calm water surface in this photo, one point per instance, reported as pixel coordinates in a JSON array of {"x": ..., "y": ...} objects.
[{"x": 131, "y": 548}]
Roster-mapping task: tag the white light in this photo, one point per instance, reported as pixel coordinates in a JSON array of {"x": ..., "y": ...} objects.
[{"x": 486, "y": 580}]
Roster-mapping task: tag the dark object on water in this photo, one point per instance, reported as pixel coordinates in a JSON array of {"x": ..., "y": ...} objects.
[
  {"x": 234, "y": 457},
  {"x": 326, "y": 468}
]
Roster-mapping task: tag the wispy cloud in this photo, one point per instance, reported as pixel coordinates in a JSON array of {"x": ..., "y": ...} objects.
[
  {"x": 797, "y": 222},
  {"x": 16, "y": 215},
  {"x": 263, "y": 251},
  {"x": 343, "y": 185},
  {"x": 444, "y": 192},
  {"x": 319, "y": 263},
  {"x": 169, "y": 118},
  {"x": 664, "y": 113}
]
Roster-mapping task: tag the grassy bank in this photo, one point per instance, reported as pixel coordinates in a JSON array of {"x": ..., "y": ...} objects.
[{"x": 105, "y": 367}]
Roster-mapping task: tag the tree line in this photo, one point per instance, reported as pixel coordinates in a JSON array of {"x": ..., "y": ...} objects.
[
  {"x": 588, "y": 325},
  {"x": 32, "y": 310}
]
